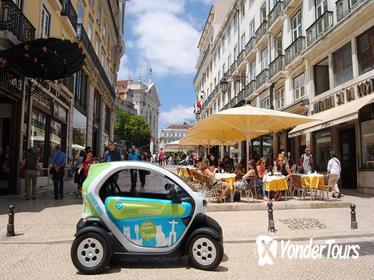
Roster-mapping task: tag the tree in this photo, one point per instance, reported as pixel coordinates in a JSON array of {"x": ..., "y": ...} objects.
[{"x": 133, "y": 130}]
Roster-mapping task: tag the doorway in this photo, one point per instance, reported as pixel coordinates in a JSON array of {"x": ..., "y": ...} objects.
[
  {"x": 5, "y": 146},
  {"x": 348, "y": 158}
]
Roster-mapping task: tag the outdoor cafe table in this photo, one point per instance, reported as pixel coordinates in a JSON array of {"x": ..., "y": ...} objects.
[
  {"x": 313, "y": 181},
  {"x": 275, "y": 183},
  {"x": 228, "y": 178}
]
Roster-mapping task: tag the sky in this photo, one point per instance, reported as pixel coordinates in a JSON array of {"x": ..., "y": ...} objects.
[{"x": 162, "y": 35}]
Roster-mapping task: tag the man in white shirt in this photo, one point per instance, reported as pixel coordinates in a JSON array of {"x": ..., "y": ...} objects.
[{"x": 334, "y": 168}]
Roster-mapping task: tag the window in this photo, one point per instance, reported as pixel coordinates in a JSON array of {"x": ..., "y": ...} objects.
[
  {"x": 243, "y": 41},
  {"x": 252, "y": 70},
  {"x": 229, "y": 61},
  {"x": 79, "y": 128},
  {"x": 96, "y": 106},
  {"x": 342, "y": 64},
  {"x": 279, "y": 98},
  {"x": 45, "y": 23},
  {"x": 298, "y": 87},
  {"x": 321, "y": 77},
  {"x": 296, "y": 26},
  {"x": 252, "y": 29},
  {"x": 278, "y": 45},
  {"x": 107, "y": 119},
  {"x": 264, "y": 58},
  {"x": 366, "y": 115},
  {"x": 263, "y": 13},
  {"x": 235, "y": 51},
  {"x": 80, "y": 89},
  {"x": 38, "y": 135},
  {"x": 321, "y": 8},
  {"x": 89, "y": 29},
  {"x": 235, "y": 21},
  {"x": 242, "y": 9},
  {"x": 223, "y": 44},
  {"x": 265, "y": 103},
  {"x": 365, "y": 51},
  {"x": 323, "y": 144},
  {"x": 80, "y": 12},
  {"x": 97, "y": 45},
  {"x": 223, "y": 68}
]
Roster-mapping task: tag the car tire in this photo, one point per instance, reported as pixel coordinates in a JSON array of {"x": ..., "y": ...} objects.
[
  {"x": 90, "y": 253},
  {"x": 205, "y": 252}
]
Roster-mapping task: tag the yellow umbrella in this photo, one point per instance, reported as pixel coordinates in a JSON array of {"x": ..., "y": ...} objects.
[
  {"x": 211, "y": 137},
  {"x": 251, "y": 121}
]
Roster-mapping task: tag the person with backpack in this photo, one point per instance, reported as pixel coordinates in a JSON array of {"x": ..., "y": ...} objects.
[
  {"x": 334, "y": 168},
  {"x": 31, "y": 167}
]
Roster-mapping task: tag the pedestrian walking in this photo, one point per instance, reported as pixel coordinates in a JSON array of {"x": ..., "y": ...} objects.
[
  {"x": 86, "y": 164},
  {"x": 161, "y": 157},
  {"x": 78, "y": 170},
  {"x": 31, "y": 167},
  {"x": 334, "y": 168},
  {"x": 143, "y": 173},
  {"x": 57, "y": 170},
  {"x": 134, "y": 155},
  {"x": 307, "y": 161},
  {"x": 112, "y": 153}
]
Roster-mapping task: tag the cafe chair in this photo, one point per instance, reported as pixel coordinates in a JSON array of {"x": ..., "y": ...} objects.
[{"x": 298, "y": 186}]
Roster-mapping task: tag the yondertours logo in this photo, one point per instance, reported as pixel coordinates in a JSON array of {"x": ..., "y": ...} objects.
[{"x": 268, "y": 249}]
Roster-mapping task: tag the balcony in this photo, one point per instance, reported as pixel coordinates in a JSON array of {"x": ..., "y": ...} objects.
[
  {"x": 275, "y": 13},
  {"x": 250, "y": 46},
  {"x": 240, "y": 96},
  {"x": 69, "y": 83},
  {"x": 276, "y": 66},
  {"x": 249, "y": 88},
  {"x": 69, "y": 12},
  {"x": 90, "y": 51},
  {"x": 262, "y": 78},
  {"x": 13, "y": 21},
  {"x": 233, "y": 102},
  {"x": 345, "y": 7},
  {"x": 240, "y": 57},
  {"x": 290, "y": 6},
  {"x": 261, "y": 31},
  {"x": 295, "y": 49},
  {"x": 319, "y": 27}
]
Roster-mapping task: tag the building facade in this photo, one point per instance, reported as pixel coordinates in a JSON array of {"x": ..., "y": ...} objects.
[
  {"x": 73, "y": 112},
  {"x": 306, "y": 57},
  {"x": 173, "y": 133},
  {"x": 125, "y": 101}
]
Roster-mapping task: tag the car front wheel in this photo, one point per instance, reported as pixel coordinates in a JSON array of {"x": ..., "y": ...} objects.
[
  {"x": 90, "y": 253},
  {"x": 205, "y": 252}
]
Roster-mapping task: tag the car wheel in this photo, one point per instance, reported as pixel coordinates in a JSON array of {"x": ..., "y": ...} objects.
[
  {"x": 90, "y": 253},
  {"x": 205, "y": 252}
]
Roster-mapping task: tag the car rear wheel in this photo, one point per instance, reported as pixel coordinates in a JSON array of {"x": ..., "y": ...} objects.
[
  {"x": 90, "y": 253},
  {"x": 205, "y": 252}
]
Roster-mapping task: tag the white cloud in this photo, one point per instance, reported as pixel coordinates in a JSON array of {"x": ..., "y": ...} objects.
[
  {"x": 164, "y": 36},
  {"x": 124, "y": 72},
  {"x": 176, "y": 114}
]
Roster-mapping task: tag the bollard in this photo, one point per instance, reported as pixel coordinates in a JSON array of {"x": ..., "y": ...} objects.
[
  {"x": 271, "y": 227},
  {"x": 353, "y": 217},
  {"x": 10, "y": 226}
]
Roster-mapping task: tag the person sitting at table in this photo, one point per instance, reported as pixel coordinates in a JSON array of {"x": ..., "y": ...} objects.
[
  {"x": 207, "y": 169},
  {"x": 286, "y": 171},
  {"x": 297, "y": 167},
  {"x": 261, "y": 171},
  {"x": 239, "y": 171}
]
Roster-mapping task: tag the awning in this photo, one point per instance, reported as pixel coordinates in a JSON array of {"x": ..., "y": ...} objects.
[{"x": 334, "y": 116}]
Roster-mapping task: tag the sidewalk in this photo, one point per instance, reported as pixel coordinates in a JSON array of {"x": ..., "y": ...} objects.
[{"x": 46, "y": 220}]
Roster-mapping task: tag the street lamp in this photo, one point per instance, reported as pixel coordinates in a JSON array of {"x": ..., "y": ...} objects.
[{"x": 224, "y": 83}]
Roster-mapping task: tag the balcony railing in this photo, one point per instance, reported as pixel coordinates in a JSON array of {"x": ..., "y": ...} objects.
[
  {"x": 276, "y": 65},
  {"x": 276, "y": 12},
  {"x": 262, "y": 77},
  {"x": 261, "y": 31},
  {"x": 69, "y": 83},
  {"x": 250, "y": 88},
  {"x": 13, "y": 20},
  {"x": 286, "y": 3},
  {"x": 82, "y": 37},
  {"x": 240, "y": 96},
  {"x": 68, "y": 10},
  {"x": 295, "y": 49},
  {"x": 250, "y": 45},
  {"x": 240, "y": 57},
  {"x": 319, "y": 27},
  {"x": 233, "y": 67},
  {"x": 344, "y": 7},
  {"x": 233, "y": 102}
]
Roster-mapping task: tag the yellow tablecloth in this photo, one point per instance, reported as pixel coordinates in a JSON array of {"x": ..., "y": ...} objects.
[
  {"x": 230, "y": 181},
  {"x": 276, "y": 184},
  {"x": 314, "y": 181}
]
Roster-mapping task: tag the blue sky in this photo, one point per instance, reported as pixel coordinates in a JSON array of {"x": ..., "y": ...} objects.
[{"x": 163, "y": 35}]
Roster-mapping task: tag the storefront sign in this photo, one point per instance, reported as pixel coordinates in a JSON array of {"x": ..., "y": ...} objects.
[
  {"x": 42, "y": 100},
  {"x": 346, "y": 95},
  {"x": 10, "y": 79}
]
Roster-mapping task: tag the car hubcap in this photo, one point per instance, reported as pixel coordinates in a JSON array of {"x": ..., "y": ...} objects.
[
  {"x": 204, "y": 251},
  {"x": 90, "y": 252}
]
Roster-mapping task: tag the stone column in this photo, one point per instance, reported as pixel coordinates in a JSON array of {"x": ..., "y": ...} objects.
[{"x": 90, "y": 101}]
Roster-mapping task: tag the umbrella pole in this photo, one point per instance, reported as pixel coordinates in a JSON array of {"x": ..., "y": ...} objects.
[{"x": 247, "y": 149}]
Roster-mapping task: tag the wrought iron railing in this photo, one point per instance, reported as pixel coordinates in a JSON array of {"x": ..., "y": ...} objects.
[
  {"x": 68, "y": 10},
  {"x": 69, "y": 83},
  {"x": 250, "y": 45},
  {"x": 250, "y": 88},
  {"x": 294, "y": 49},
  {"x": 233, "y": 67},
  {"x": 344, "y": 7},
  {"x": 319, "y": 27},
  {"x": 12, "y": 19},
  {"x": 262, "y": 77},
  {"x": 233, "y": 102},
  {"x": 261, "y": 31},
  {"x": 286, "y": 3},
  {"x": 240, "y": 96},
  {"x": 83, "y": 38},
  {"x": 276, "y": 65},
  {"x": 276, "y": 12}
]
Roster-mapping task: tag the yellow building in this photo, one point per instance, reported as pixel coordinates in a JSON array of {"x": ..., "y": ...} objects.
[{"x": 74, "y": 112}]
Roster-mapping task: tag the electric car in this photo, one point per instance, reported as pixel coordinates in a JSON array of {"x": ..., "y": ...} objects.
[{"x": 133, "y": 208}]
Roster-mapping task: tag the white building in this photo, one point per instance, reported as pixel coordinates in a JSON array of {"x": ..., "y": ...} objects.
[
  {"x": 307, "y": 57},
  {"x": 173, "y": 133}
]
